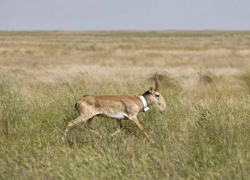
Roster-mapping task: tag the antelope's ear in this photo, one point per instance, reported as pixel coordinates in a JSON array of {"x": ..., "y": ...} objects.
[{"x": 150, "y": 90}]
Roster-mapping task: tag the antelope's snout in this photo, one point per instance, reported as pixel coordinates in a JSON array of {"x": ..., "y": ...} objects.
[{"x": 161, "y": 104}]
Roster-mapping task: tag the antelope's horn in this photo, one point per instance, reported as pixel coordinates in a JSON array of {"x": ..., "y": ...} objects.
[{"x": 156, "y": 82}]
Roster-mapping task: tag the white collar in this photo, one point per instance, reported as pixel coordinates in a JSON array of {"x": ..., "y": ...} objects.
[{"x": 144, "y": 102}]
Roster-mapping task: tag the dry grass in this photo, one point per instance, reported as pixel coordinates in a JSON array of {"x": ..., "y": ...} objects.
[{"x": 204, "y": 134}]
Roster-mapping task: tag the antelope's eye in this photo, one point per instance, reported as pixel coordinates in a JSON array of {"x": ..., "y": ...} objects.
[{"x": 157, "y": 95}]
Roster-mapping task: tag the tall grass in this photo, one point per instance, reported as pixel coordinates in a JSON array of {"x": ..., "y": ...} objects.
[
  {"x": 245, "y": 77},
  {"x": 203, "y": 139},
  {"x": 203, "y": 134}
]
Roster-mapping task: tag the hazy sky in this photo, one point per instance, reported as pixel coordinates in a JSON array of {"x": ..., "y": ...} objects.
[{"x": 124, "y": 14}]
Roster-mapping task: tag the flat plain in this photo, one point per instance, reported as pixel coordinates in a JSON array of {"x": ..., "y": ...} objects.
[{"x": 203, "y": 134}]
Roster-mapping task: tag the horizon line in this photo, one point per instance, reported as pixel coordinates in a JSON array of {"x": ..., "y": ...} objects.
[{"x": 123, "y": 30}]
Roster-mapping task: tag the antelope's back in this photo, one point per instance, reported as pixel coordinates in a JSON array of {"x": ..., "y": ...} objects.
[{"x": 107, "y": 101}]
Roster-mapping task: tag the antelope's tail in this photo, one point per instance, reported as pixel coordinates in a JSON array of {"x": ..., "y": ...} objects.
[{"x": 76, "y": 108}]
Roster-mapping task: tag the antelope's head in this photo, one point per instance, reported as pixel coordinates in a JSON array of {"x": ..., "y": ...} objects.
[{"x": 153, "y": 96}]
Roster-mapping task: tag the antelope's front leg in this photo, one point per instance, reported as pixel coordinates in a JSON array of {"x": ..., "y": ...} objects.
[
  {"x": 142, "y": 129},
  {"x": 119, "y": 126}
]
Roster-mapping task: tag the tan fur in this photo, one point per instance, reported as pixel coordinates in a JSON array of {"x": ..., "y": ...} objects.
[{"x": 116, "y": 106}]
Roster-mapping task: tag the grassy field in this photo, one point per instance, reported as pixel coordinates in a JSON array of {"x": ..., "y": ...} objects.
[{"x": 203, "y": 134}]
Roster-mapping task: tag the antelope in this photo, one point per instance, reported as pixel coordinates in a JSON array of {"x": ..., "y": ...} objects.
[{"x": 119, "y": 107}]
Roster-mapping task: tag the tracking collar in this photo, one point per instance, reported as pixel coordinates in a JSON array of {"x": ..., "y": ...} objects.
[{"x": 144, "y": 102}]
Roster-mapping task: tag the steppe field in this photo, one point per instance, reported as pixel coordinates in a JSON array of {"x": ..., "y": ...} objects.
[{"x": 203, "y": 134}]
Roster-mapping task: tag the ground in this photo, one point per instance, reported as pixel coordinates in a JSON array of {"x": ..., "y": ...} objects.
[{"x": 203, "y": 134}]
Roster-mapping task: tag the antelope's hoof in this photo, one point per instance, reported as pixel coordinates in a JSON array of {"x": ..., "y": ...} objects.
[
  {"x": 63, "y": 137},
  {"x": 95, "y": 132},
  {"x": 115, "y": 133},
  {"x": 151, "y": 141}
]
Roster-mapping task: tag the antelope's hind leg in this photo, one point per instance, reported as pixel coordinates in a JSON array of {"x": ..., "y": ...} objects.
[
  {"x": 88, "y": 125},
  {"x": 78, "y": 120},
  {"x": 119, "y": 127}
]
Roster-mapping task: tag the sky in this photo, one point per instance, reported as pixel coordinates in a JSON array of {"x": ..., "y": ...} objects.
[{"x": 124, "y": 15}]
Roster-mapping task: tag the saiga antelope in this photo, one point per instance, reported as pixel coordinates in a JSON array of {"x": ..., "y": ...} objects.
[{"x": 118, "y": 107}]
